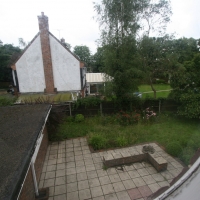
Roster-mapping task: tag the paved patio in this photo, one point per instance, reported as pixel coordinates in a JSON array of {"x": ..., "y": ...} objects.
[{"x": 72, "y": 172}]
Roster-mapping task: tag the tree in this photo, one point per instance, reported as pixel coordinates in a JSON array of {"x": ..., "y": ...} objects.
[
  {"x": 186, "y": 84},
  {"x": 118, "y": 20},
  {"x": 22, "y": 43},
  {"x": 8, "y": 54},
  {"x": 83, "y": 52},
  {"x": 157, "y": 58}
]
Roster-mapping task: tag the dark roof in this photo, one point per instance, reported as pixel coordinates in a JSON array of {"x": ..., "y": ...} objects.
[{"x": 19, "y": 129}]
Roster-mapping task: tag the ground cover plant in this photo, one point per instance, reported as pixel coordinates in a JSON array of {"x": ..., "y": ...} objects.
[{"x": 179, "y": 136}]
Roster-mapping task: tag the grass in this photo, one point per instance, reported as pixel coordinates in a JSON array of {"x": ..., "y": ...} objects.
[
  {"x": 148, "y": 93},
  {"x": 7, "y": 99},
  {"x": 55, "y": 98},
  {"x": 105, "y": 132}
]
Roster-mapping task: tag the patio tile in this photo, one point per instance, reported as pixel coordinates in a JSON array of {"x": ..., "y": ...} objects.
[
  {"x": 51, "y": 162},
  {"x": 77, "y": 153},
  {"x": 51, "y": 168},
  {"x": 42, "y": 177},
  {"x": 148, "y": 179},
  {"x": 98, "y": 166},
  {"x": 137, "y": 165},
  {"x": 111, "y": 171},
  {"x": 101, "y": 172},
  {"x": 49, "y": 182},
  {"x": 51, "y": 191},
  {"x": 129, "y": 167},
  {"x": 53, "y": 156},
  {"x": 96, "y": 191},
  {"x": 114, "y": 178},
  {"x": 70, "y": 159},
  {"x": 60, "y": 180},
  {"x": 154, "y": 187},
  {"x": 83, "y": 184},
  {"x": 71, "y": 178},
  {"x": 134, "y": 194},
  {"x": 138, "y": 182},
  {"x": 90, "y": 168},
  {"x": 92, "y": 174},
  {"x": 167, "y": 175},
  {"x": 129, "y": 184},
  {"x": 60, "y": 189},
  {"x": 99, "y": 198},
  {"x": 158, "y": 177},
  {"x": 70, "y": 165},
  {"x": 61, "y": 160},
  {"x": 163, "y": 183},
  {"x": 145, "y": 191},
  {"x": 118, "y": 186},
  {"x": 94, "y": 182},
  {"x": 84, "y": 194},
  {"x": 133, "y": 174},
  {"x": 41, "y": 183},
  {"x": 79, "y": 163},
  {"x": 123, "y": 195},
  {"x": 107, "y": 189},
  {"x": 73, "y": 195},
  {"x": 143, "y": 172},
  {"x": 60, "y": 197},
  {"x": 151, "y": 170},
  {"x": 53, "y": 152},
  {"x": 70, "y": 171},
  {"x": 49, "y": 175},
  {"x": 60, "y": 172},
  {"x": 112, "y": 196},
  {"x": 104, "y": 180},
  {"x": 69, "y": 154},
  {"x": 81, "y": 176},
  {"x": 78, "y": 169},
  {"x": 72, "y": 187},
  {"x": 124, "y": 176},
  {"x": 61, "y": 166}
]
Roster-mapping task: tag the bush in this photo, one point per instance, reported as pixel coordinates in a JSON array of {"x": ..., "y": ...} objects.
[
  {"x": 79, "y": 118},
  {"x": 121, "y": 141},
  {"x": 174, "y": 148},
  {"x": 97, "y": 141},
  {"x": 187, "y": 154},
  {"x": 70, "y": 119}
]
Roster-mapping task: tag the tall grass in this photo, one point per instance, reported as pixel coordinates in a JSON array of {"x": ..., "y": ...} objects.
[{"x": 105, "y": 132}]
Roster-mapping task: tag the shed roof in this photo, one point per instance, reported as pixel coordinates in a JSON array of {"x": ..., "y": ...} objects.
[
  {"x": 20, "y": 127},
  {"x": 97, "y": 77}
]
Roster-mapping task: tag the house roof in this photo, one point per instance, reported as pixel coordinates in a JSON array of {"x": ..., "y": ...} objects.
[
  {"x": 20, "y": 127},
  {"x": 97, "y": 77}
]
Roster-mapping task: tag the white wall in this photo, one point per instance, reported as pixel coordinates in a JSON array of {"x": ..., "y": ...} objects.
[
  {"x": 30, "y": 70},
  {"x": 66, "y": 68}
]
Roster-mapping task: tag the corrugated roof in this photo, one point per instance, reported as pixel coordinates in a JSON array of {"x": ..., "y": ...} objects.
[{"x": 96, "y": 77}]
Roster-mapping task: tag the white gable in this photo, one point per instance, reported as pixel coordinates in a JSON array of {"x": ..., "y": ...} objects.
[
  {"x": 66, "y": 68},
  {"x": 30, "y": 70}
]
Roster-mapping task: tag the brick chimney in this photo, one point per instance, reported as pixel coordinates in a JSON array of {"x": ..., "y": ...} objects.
[{"x": 46, "y": 53}]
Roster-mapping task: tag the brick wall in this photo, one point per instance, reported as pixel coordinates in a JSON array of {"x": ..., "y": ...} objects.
[
  {"x": 46, "y": 53},
  {"x": 28, "y": 190}
]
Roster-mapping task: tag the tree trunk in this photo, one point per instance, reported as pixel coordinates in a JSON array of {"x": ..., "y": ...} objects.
[{"x": 151, "y": 84}]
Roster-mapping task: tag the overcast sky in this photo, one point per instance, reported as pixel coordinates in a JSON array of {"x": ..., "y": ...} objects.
[{"x": 73, "y": 20}]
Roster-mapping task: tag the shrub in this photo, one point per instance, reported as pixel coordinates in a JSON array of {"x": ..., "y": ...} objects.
[
  {"x": 70, "y": 119},
  {"x": 128, "y": 118},
  {"x": 174, "y": 148},
  {"x": 121, "y": 141},
  {"x": 97, "y": 141},
  {"x": 187, "y": 154},
  {"x": 79, "y": 118}
]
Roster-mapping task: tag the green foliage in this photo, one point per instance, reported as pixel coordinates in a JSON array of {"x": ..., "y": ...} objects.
[
  {"x": 79, "y": 118},
  {"x": 8, "y": 54},
  {"x": 174, "y": 148},
  {"x": 69, "y": 119},
  {"x": 7, "y": 101},
  {"x": 187, "y": 154},
  {"x": 87, "y": 101},
  {"x": 186, "y": 83},
  {"x": 83, "y": 52},
  {"x": 121, "y": 141},
  {"x": 97, "y": 141}
]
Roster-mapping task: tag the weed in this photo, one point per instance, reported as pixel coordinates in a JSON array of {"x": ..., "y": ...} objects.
[{"x": 79, "y": 118}]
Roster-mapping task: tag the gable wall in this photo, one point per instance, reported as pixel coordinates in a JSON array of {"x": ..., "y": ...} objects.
[
  {"x": 30, "y": 69},
  {"x": 66, "y": 68}
]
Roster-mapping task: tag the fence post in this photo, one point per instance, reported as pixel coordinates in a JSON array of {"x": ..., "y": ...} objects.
[{"x": 101, "y": 109}]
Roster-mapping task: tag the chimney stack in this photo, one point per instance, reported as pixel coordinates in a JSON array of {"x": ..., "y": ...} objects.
[{"x": 46, "y": 53}]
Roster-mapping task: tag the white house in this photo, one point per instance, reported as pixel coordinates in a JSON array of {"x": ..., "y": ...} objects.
[{"x": 47, "y": 66}]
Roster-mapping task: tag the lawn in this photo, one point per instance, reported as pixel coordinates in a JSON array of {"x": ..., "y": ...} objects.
[
  {"x": 148, "y": 93},
  {"x": 180, "y": 137}
]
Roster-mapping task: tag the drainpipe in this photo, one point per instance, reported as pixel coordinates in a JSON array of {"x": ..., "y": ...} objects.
[{"x": 34, "y": 179}]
